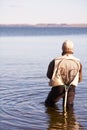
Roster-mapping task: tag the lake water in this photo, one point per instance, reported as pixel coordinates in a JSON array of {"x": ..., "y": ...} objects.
[{"x": 24, "y": 85}]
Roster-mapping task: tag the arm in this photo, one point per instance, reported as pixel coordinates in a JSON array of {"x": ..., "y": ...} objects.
[
  {"x": 80, "y": 73},
  {"x": 50, "y": 69}
]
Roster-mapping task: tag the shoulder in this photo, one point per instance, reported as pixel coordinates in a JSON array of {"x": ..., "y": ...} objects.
[
  {"x": 58, "y": 58},
  {"x": 77, "y": 61},
  {"x": 75, "y": 58},
  {"x": 52, "y": 62},
  {"x": 55, "y": 59}
]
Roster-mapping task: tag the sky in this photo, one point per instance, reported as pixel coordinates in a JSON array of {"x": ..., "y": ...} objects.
[{"x": 43, "y": 11}]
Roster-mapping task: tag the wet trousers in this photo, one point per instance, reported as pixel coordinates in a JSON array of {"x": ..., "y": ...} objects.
[{"x": 59, "y": 92}]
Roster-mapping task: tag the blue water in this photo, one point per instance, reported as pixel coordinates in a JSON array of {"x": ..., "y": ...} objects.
[
  {"x": 40, "y": 31},
  {"x": 24, "y": 85}
]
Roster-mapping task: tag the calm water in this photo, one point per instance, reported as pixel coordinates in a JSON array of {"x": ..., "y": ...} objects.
[{"x": 24, "y": 85}]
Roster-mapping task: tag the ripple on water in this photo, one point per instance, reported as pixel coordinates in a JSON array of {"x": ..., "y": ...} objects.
[{"x": 22, "y": 108}]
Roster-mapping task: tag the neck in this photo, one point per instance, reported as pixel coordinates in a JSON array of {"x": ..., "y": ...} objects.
[{"x": 68, "y": 53}]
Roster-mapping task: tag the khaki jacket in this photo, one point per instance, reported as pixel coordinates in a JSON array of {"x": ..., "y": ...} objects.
[{"x": 56, "y": 60}]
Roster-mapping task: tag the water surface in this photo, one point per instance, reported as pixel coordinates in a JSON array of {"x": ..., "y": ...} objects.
[{"x": 24, "y": 85}]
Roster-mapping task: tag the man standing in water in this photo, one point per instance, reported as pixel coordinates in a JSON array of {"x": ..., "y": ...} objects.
[{"x": 64, "y": 71}]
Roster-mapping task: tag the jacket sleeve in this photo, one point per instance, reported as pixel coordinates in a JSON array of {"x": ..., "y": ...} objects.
[
  {"x": 80, "y": 73},
  {"x": 50, "y": 69}
]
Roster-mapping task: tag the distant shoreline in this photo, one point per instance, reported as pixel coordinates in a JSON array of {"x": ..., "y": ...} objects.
[{"x": 44, "y": 25}]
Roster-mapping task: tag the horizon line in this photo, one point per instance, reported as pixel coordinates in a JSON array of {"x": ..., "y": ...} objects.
[{"x": 46, "y": 24}]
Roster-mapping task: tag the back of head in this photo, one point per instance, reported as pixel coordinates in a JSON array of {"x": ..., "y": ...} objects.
[{"x": 68, "y": 47}]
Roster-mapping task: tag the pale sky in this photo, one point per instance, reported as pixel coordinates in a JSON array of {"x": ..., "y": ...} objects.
[{"x": 43, "y": 11}]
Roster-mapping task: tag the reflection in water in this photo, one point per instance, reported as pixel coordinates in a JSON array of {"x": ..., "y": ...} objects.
[{"x": 59, "y": 121}]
